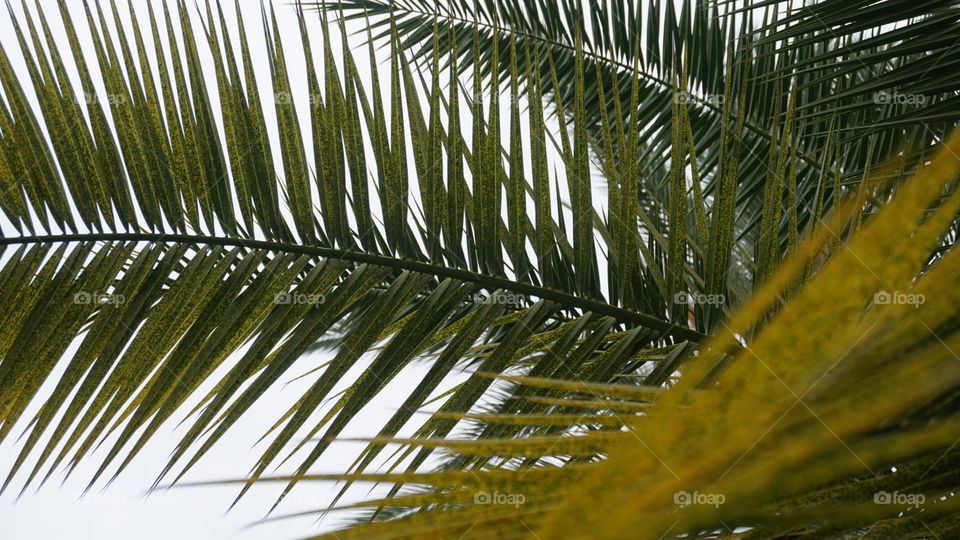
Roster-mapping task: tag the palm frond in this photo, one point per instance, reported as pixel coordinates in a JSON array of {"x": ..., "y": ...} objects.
[
  {"x": 183, "y": 225},
  {"x": 160, "y": 232},
  {"x": 792, "y": 434}
]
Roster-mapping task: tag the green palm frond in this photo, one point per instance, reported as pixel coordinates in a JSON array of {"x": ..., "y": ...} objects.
[
  {"x": 160, "y": 232},
  {"x": 793, "y": 436},
  {"x": 906, "y": 48},
  {"x": 534, "y": 203},
  {"x": 735, "y": 68}
]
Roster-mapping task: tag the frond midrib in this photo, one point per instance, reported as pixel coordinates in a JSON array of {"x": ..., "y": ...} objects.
[{"x": 486, "y": 280}]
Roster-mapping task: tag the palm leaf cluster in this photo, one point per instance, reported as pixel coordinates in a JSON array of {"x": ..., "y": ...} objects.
[
  {"x": 787, "y": 436},
  {"x": 167, "y": 211},
  {"x": 868, "y": 76},
  {"x": 532, "y": 192}
]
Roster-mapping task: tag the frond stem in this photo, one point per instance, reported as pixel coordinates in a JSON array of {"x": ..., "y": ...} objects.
[{"x": 485, "y": 280}]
